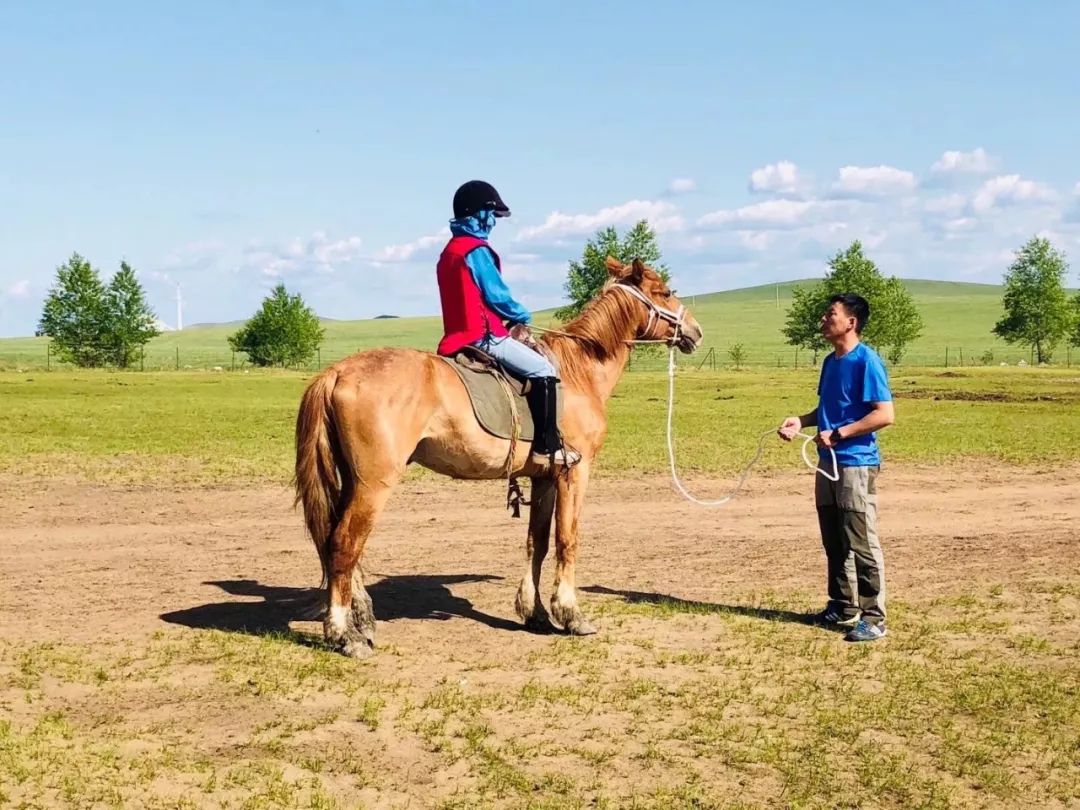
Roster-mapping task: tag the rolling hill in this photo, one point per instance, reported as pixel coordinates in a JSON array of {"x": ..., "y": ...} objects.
[{"x": 958, "y": 317}]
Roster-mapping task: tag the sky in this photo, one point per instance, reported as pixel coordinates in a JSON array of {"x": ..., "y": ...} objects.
[{"x": 227, "y": 147}]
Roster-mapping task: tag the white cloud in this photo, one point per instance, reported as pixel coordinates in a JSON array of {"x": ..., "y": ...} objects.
[
  {"x": 1010, "y": 189},
  {"x": 341, "y": 252},
  {"x": 662, "y": 216},
  {"x": 757, "y": 240},
  {"x": 977, "y": 161},
  {"x": 316, "y": 254},
  {"x": 403, "y": 253},
  {"x": 768, "y": 215},
  {"x": 682, "y": 185},
  {"x": 779, "y": 178},
  {"x": 20, "y": 289},
  {"x": 959, "y": 225},
  {"x": 873, "y": 181},
  {"x": 949, "y": 205}
]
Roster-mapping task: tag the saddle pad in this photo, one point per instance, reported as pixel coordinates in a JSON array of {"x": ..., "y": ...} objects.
[{"x": 488, "y": 396}]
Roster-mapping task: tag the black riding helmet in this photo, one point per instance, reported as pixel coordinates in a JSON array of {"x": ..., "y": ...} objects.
[{"x": 476, "y": 195}]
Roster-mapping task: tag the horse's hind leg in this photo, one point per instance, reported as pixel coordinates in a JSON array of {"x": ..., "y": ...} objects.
[
  {"x": 528, "y": 604},
  {"x": 349, "y": 625}
]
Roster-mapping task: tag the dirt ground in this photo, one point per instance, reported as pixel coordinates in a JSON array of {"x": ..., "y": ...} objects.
[
  {"x": 122, "y": 567},
  {"x": 83, "y": 562}
]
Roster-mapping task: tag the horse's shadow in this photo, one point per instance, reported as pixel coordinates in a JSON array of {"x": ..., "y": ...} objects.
[
  {"x": 677, "y": 605},
  {"x": 403, "y": 597}
]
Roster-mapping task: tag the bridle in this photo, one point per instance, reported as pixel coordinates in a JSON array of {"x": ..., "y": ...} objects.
[{"x": 657, "y": 313}]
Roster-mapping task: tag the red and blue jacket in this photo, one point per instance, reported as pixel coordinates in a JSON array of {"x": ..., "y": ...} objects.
[{"x": 474, "y": 296}]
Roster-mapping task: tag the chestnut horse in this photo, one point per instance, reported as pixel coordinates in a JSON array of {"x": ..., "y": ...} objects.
[{"x": 363, "y": 420}]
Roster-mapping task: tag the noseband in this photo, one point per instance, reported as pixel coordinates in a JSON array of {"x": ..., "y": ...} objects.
[{"x": 657, "y": 313}]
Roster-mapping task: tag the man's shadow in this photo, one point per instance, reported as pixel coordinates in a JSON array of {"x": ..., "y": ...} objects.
[
  {"x": 404, "y": 597},
  {"x": 677, "y": 605}
]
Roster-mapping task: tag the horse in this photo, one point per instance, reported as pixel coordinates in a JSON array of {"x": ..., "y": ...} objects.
[{"x": 363, "y": 420}]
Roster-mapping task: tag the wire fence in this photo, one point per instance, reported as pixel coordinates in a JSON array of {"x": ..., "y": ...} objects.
[{"x": 43, "y": 357}]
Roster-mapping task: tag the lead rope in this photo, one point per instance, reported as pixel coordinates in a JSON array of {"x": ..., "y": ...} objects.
[{"x": 833, "y": 476}]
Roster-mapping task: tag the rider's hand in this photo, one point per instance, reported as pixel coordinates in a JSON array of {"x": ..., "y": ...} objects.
[
  {"x": 520, "y": 332},
  {"x": 791, "y": 426}
]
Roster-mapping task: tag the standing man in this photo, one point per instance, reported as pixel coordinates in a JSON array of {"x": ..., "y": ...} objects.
[{"x": 854, "y": 402}]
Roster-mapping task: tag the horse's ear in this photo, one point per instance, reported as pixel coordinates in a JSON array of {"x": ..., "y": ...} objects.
[
  {"x": 638, "y": 271},
  {"x": 614, "y": 267}
]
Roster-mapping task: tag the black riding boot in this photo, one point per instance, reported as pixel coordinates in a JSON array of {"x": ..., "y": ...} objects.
[{"x": 547, "y": 446}]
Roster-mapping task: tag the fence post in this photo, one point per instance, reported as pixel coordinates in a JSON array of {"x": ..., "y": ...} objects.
[
  {"x": 234, "y": 359},
  {"x": 177, "y": 358},
  {"x": 796, "y": 357},
  {"x": 946, "y": 357},
  {"x": 961, "y": 357},
  {"x": 48, "y": 356},
  {"x": 142, "y": 358}
]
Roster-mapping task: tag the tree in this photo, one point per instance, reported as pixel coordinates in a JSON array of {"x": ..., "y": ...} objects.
[
  {"x": 803, "y": 325},
  {"x": 897, "y": 321},
  {"x": 130, "y": 322},
  {"x": 284, "y": 332},
  {"x": 587, "y": 277},
  {"x": 737, "y": 353},
  {"x": 894, "y": 319},
  {"x": 75, "y": 314},
  {"x": 1074, "y": 337},
  {"x": 1037, "y": 310}
]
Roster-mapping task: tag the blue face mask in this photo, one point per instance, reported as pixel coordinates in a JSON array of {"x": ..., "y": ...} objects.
[
  {"x": 487, "y": 220},
  {"x": 479, "y": 224}
]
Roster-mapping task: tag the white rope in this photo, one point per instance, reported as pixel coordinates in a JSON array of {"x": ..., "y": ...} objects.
[{"x": 833, "y": 476}]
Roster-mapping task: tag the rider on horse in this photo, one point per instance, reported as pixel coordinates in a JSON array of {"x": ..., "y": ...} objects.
[{"x": 479, "y": 310}]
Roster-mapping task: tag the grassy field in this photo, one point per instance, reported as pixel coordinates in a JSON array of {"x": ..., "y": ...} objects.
[
  {"x": 780, "y": 711},
  {"x": 204, "y": 426},
  {"x": 708, "y": 686},
  {"x": 958, "y": 317}
]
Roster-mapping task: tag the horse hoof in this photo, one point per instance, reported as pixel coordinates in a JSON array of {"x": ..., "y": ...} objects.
[
  {"x": 581, "y": 627},
  {"x": 358, "y": 650}
]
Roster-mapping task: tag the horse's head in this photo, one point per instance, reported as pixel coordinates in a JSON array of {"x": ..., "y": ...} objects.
[{"x": 663, "y": 316}]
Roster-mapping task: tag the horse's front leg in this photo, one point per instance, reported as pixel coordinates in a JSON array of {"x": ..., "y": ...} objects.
[
  {"x": 569, "y": 499},
  {"x": 541, "y": 511}
]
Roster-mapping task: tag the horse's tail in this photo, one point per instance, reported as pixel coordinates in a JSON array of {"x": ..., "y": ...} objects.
[{"x": 318, "y": 474}]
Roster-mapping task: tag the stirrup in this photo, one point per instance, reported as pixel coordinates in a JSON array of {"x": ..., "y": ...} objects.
[{"x": 563, "y": 457}]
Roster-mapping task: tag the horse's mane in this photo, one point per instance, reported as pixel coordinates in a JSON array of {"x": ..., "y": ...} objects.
[{"x": 599, "y": 333}]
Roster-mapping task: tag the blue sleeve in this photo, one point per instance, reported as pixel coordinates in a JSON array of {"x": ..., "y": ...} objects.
[
  {"x": 492, "y": 286},
  {"x": 875, "y": 380}
]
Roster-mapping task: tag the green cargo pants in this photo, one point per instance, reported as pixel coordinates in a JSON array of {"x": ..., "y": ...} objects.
[{"x": 847, "y": 513}]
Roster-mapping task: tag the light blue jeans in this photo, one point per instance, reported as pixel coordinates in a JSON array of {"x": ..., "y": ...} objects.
[{"x": 517, "y": 357}]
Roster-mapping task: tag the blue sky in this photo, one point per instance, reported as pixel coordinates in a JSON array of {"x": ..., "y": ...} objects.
[{"x": 226, "y": 147}]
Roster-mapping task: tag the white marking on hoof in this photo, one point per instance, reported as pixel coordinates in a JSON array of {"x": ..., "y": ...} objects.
[
  {"x": 339, "y": 618},
  {"x": 564, "y": 604}
]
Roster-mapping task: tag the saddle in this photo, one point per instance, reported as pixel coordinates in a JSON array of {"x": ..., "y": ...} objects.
[{"x": 497, "y": 394}]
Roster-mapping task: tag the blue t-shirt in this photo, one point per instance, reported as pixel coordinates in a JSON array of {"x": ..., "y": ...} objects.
[{"x": 846, "y": 389}]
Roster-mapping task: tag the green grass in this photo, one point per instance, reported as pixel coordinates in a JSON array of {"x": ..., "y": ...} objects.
[
  {"x": 725, "y": 709},
  {"x": 202, "y": 427},
  {"x": 958, "y": 317}
]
